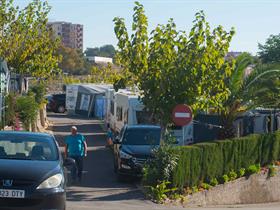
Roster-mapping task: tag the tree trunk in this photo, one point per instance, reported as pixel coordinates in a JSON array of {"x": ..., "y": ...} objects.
[
  {"x": 228, "y": 131},
  {"x": 33, "y": 127},
  {"x": 23, "y": 84},
  {"x": 42, "y": 117}
]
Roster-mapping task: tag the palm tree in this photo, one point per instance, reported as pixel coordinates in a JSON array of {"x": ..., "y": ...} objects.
[{"x": 261, "y": 88}]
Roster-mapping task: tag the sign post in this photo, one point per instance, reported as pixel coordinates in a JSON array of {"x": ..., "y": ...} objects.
[{"x": 182, "y": 115}]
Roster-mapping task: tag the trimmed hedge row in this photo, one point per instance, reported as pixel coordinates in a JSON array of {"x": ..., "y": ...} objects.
[{"x": 204, "y": 161}]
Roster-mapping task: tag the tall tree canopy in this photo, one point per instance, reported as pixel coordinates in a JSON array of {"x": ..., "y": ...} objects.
[
  {"x": 259, "y": 88},
  {"x": 25, "y": 40},
  {"x": 270, "y": 51},
  {"x": 171, "y": 67},
  {"x": 73, "y": 61}
]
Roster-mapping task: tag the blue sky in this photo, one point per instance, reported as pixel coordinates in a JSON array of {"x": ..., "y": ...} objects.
[{"x": 254, "y": 20}]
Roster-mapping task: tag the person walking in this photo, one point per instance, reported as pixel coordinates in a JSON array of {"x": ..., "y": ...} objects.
[
  {"x": 109, "y": 136},
  {"x": 76, "y": 148}
]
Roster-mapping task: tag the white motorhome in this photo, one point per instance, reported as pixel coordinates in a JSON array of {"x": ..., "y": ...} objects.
[
  {"x": 183, "y": 134},
  {"x": 71, "y": 97},
  {"x": 110, "y": 108},
  {"x": 129, "y": 110}
]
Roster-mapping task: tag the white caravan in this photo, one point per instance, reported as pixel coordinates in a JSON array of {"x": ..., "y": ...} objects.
[
  {"x": 129, "y": 110},
  {"x": 110, "y": 108},
  {"x": 183, "y": 134}
]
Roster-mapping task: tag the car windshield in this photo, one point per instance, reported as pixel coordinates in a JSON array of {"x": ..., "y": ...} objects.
[
  {"x": 27, "y": 147},
  {"x": 141, "y": 137}
]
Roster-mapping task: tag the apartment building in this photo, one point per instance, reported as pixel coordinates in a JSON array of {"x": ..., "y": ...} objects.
[{"x": 71, "y": 34}]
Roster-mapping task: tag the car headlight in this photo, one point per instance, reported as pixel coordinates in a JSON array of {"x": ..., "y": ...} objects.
[
  {"x": 51, "y": 182},
  {"x": 125, "y": 155}
]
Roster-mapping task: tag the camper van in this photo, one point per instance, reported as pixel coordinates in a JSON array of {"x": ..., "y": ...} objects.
[{"x": 129, "y": 110}]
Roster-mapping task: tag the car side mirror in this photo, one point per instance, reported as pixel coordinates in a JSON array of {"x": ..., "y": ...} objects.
[
  {"x": 117, "y": 140},
  {"x": 69, "y": 162}
]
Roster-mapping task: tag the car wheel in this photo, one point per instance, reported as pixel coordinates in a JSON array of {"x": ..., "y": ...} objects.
[{"x": 61, "y": 109}]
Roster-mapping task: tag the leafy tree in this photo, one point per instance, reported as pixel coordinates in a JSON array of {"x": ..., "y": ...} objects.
[
  {"x": 103, "y": 74},
  {"x": 172, "y": 67},
  {"x": 261, "y": 88},
  {"x": 104, "y": 51},
  {"x": 107, "y": 51},
  {"x": 270, "y": 51},
  {"x": 26, "y": 41},
  {"x": 27, "y": 108},
  {"x": 39, "y": 91},
  {"x": 106, "y": 74},
  {"x": 72, "y": 61},
  {"x": 90, "y": 52}
]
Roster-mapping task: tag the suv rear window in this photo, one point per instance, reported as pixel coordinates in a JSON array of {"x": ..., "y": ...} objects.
[{"x": 141, "y": 137}]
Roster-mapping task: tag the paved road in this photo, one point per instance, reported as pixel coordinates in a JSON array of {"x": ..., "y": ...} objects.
[{"x": 100, "y": 189}]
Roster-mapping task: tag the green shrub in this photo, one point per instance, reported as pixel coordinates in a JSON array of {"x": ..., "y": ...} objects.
[
  {"x": 232, "y": 175},
  {"x": 275, "y": 153},
  {"x": 272, "y": 170},
  {"x": 10, "y": 113},
  {"x": 27, "y": 108},
  {"x": 161, "y": 167},
  {"x": 70, "y": 80},
  {"x": 39, "y": 91},
  {"x": 258, "y": 166},
  {"x": 206, "y": 186},
  {"x": 253, "y": 169},
  {"x": 195, "y": 189},
  {"x": 214, "y": 182},
  {"x": 192, "y": 165},
  {"x": 267, "y": 148},
  {"x": 241, "y": 172},
  {"x": 211, "y": 166},
  {"x": 161, "y": 191},
  {"x": 225, "y": 178},
  {"x": 188, "y": 169}
]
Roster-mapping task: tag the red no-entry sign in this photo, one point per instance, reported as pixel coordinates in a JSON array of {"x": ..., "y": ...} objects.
[{"x": 182, "y": 115}]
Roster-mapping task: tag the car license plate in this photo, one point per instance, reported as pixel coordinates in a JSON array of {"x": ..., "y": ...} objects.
[{"x": 12, "y": 193}]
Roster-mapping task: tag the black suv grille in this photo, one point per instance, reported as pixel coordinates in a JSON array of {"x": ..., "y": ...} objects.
[{"x": 140, "y": 161}]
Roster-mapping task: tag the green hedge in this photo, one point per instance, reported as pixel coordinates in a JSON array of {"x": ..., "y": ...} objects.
[{"x": 202, "y": 162}]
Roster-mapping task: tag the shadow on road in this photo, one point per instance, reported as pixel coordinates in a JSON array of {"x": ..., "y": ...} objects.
[
  {"x": 82, "y": 128},
  {"x": 99, "y": 182},
  {"x": 99, "y": 171},
  {"x": 64, "y": 115},
  {"x": 84, "y": 196}
]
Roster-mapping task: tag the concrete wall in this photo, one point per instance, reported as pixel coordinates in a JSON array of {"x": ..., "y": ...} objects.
[{"x": 258, "y": 188}]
